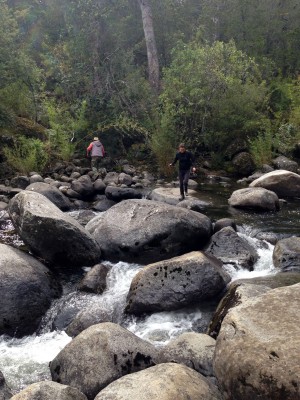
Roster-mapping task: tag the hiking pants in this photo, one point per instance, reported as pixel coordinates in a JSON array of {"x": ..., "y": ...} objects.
[{"x": 183, "y": 180}]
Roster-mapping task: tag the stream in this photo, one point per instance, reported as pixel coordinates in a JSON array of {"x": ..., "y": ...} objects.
[{"x": 24, "y": 361}]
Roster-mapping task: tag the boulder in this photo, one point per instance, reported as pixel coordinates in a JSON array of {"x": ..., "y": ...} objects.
[
  {"x": 111, "y": 178},
  {"x": 285, "y": 163},
  {"x": 195, "y": 350},
  {"x": 49, "y": 391},
  {"x": 167, "y": 195},
  {"x": 257, "y": 351},
  {"x": 87, "y": 317},
  {"x": 20, "y": 182},
  {"x": 103, "y": 205},
  {"x": 122, "y": 193},
  {"x": 237, "y": 293},
  {"x": 164, "y": 382},
  {"x": 255, "y": 198},
  {"x": 27, "y": 289},
  {"x": 83, "y": 186},
  {"x": 283, "y": 183},
  {"x": 175, "y": 283},
  {"x": 145, "y": 231},
  {"x": 243, "y": 163},
  {"x": 99, "y": 186},
  {"x": 273, "y": 281},
  {"x": 35, "y": 178},
  {"x": 193, "y": 204},
  {"x": 223, "y": 223},
  {"x": 231, "y": 248},
  {"x": 99, "y": 355},
  {"x": 286, "y": 254},
  {"x": 52, "y": 193},
  {"x": 125, "y": 179},
  {"x": 95, "y": 279},
  {"x": 51, "y": 234}
]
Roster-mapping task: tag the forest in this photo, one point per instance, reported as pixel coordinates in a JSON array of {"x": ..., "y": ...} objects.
[{"x": 211, "y": 73}]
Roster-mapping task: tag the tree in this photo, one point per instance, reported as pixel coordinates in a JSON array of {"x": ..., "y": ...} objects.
[{"x": 153, "y": 63}]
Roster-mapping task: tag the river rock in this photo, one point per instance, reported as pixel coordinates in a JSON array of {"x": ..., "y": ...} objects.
[
  {"x": 20, "y": 182},
  {"x": 286, "y": 254},
  {"x": 175, "y": 283},
  {"x": 103, "y": 205},
  {"x": 52, "y": 193},
  {"x": 273, "y": 281},
  {"x": 167, "y": 195},
  {"x": 122, "y": 193},
  {"x": 167, "y": 381},
  {"x": 35, "y": 178},
  {"x": 231, "y": 248},
  {"x": 99, "y": 355},
  {"x": 111, "y": 178},
  {"x": 256, "y": 198},
  {"x": 193, "y": 204},
  {"x": 51, "y": 234},
  {"x": 282, "y": 162},
  {"x": 257, "y": 351},
  {"x": 125, "y": 179},
  {"x": 99, "y": 186},
  {"x": 223, "y": 223},
  {"x": 237, "y": 294},
  {"x": 95, "y": 279},
  {"x": 83, "y": 186},
  {"x": 92, "y": 315},
  {"x": 145, "y": 231},
  {"x": 195, "y": 350},
  {"x": 283, "y": 183},
  {"x": 27, "y": 289},
  {"x": 49, "y": 391},
  {"x": 5, "y": 392},
  {"x": 243, "y": 163}
]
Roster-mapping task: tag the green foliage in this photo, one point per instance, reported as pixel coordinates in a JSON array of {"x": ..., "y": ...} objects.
[
  {"x": 211, "y": 93},
  {"x": 63, "y": 126},
  {"x": 262, "y": 148},
  {"x": 26, "y": 155}
]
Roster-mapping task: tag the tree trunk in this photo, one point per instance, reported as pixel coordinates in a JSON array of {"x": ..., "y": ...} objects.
[{"x": 153, "y": 64}]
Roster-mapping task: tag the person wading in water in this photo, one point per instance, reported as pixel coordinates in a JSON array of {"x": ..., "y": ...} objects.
[{"x": 186, "y": 162}]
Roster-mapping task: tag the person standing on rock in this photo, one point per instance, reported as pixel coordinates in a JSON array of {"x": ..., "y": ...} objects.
[
  {"x": 96, "y": 151},
  {"x": 186, "y": 162}
]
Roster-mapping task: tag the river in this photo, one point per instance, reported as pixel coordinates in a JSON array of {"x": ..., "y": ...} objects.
[{"x": 24, "y": 361}]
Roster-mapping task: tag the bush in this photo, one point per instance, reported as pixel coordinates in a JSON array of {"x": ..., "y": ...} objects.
[{"x": 26, "y": 155}]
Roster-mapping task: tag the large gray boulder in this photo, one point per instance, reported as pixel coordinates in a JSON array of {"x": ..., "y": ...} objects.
[
  {"x": 195, "y": 350},
  {"x": 145, "y": 231},
  {"x": 52, "y": 193},
  {"x": 167, "y": 195},
  {"x": 256, "y": 198},
  {"x": 231, "y": 248},
  {"x": 49, "y": 391},
  {"x": 283, "y": 183},
  {"x": 175, "y": 283},
  {"x": 99, "y": 355},
  {"x": 286, "y": 254},
  {"x": 27, "y": 289},
  {"x": 167, "y": 381},
  {"x": 51, "y": 234},
  {"x": 122, "y": 193},
  {"x": 257, "y": 351},
  {"x": 282, "y": 162},
  {"x": 83, "y": 186}
]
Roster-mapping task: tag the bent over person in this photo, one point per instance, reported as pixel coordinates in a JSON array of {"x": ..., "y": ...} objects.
[
  {"x": 96, "y": 151},
  {"x": 186, "y": 162}
]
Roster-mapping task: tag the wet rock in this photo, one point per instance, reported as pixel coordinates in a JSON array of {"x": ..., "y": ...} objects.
[
  {"x": 223, "y": 223},
  {"x": 256, "y": 198},
  {"x": 122, "y": 193},
  {"x": 164, "y": 382},
  {"x": 175, "y": 283},
  {"x": 193, "y": 204},
  {"x": 283, "y": 183},
  {"x": 107, "y": 351},
  {"x": 145, "y": 231},
  {"x": 49, "y": 391},
  {"x": 51, "y": 234},
  {"x": 195, "y": 350},
  {"x": 27, "y": 289},
  {"x": 95, "y": 279},
  {"x": 52, "y": 193},
  {"x": 231, "y": 248},
  {"x": 257, "y": 350},
  {"x": 286, "y": 254}
]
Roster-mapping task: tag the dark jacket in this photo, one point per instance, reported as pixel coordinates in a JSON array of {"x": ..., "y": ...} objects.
[{"x": 186, "y": 160}]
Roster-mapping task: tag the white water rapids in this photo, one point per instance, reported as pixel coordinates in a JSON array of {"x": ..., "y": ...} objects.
[{"x": 24, "y": 361}]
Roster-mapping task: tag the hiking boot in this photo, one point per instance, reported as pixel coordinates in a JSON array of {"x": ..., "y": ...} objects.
[{"x": 181, "y": 198}]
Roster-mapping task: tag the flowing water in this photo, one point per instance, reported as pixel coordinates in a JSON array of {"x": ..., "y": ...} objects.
[{"x": 24, "y": 361}]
